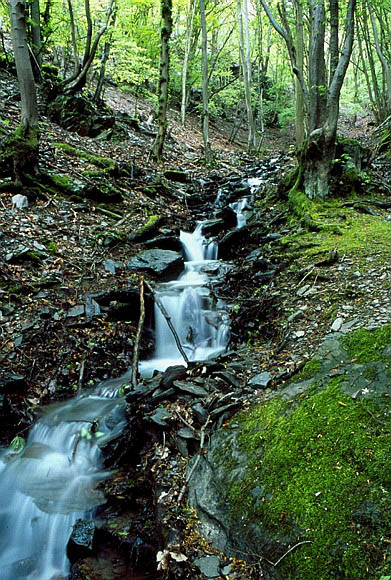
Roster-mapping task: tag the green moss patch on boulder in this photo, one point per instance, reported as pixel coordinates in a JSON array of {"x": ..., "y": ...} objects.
[{"x": 310, "y": 468}]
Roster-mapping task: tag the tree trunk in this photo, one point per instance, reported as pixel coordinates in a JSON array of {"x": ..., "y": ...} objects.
[
  {"x": 185, "y": 67},
  {"x": 166, "y": 10},
  {"x": 36, "y": 32},
  {"x": 245, "y": 58},
  {"x": 79, "y": 80},
  {"x": 300, "y": 112},
  {"x": 25, "y": 142},
  {"x": 103, "y": 62},
  {"x": 205, "y": 87}
]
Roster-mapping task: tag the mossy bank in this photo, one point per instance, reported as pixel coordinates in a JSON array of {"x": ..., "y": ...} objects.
[{"x": 304, "y": 478}]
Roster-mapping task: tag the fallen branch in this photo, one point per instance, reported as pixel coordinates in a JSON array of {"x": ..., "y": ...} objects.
[
  {"x": 138, "y": 334},
  {"x": 168, "y": 319}
]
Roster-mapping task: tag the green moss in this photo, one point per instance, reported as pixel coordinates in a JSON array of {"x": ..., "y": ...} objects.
[
  {"x": 322, "y": 470},
  {"x": 151, "y": 225},
  {"x": 310, "y": 369},
  {"x": 52, "y": 247},
  {"x": 367, "y": 346},
  {"x": 97, "y": 160}
]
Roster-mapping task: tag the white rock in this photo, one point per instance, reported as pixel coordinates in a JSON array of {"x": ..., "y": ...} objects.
[
  {"x": 20, "y": 201},
  {"x": 337, "y": 324}
]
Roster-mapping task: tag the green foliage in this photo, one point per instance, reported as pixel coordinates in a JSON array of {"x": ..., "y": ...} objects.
[
  {"x": 17, "y": 444},
  {"x": 323, "y": 471}
]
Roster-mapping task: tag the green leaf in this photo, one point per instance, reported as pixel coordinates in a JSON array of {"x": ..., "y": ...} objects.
[{"x": 17, "y": 444}]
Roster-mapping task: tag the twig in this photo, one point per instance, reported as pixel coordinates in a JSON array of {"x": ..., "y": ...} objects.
[
  {"x": 168, "y": 319},
  {"x": 138, "y": 334},
  {"x": 290, "y": 550},
  {"x": 81, "y": 373}
]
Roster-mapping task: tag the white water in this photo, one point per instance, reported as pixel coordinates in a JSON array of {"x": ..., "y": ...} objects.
[
  {"x": 202, "y": 327},
  {"x": 52, "y": 483},
  {"x": 239, "y": 208}
]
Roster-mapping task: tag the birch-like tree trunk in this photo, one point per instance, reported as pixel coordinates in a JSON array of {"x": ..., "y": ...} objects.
[
  {"x": 384, "y": 63},
  {"x": 205, "y": 84},
  {"x": 25, "y": 142},
  {"x": 164, "y": 75},
  {"x": 185, "y": 66},
  {"x": 245, "y": 58}
]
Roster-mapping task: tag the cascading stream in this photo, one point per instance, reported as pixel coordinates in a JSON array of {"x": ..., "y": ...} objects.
[
  {"x": 202, "y": 327},
  {"x": 51, "y": 484}
]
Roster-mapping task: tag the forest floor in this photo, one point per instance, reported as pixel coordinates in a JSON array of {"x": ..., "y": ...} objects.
[{"x": 57, "y": 252}]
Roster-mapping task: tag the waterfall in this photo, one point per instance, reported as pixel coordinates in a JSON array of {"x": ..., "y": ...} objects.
[
  {"x": 202, "y": 327},
  {"x": 52, "y": 483}
]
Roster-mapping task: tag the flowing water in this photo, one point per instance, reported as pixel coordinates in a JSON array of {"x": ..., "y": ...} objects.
[
  {"x": 51, "y": 484},
  {"x": 202, "y": 326}
]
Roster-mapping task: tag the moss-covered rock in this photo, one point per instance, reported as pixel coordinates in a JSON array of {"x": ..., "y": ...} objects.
[
  {"x": 78, "y": 190},
  {"x": 103, "y": 162},
  {"x": 309, "y": 469}
]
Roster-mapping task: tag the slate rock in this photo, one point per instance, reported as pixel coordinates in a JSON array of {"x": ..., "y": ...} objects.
[
  {"x": 228, "y": 378},
  {"x": 111, "y": 266},
  {"x": 163, "y": 264},
  {"x": 200, "y": 412},
  {"x": 209, "y": 566},
  {"x": 76, "y": 311},
  {"x": 260, "y": 380},
  {"x": 160, "y": 417},
  {"x": 187, "y": 433},
  {"x": 172, "y": 374},
  {"x": 190, "y": 389}
]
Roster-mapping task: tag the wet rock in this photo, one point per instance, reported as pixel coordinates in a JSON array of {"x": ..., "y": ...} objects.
[
  {"x": 221, "y": 410},
  {"x": 228, "y": 378},
  {"x": 172, "y": 374},
  {"x": 190, "y": 388},
  {"x": 209, "y": 566},
  {"x": 80, "y": 544},
  {"x": 261, "y": 380},
  {"x": 187, "y": 433},
  {"x": 213, "y": 227},
  {"x": 165, "y": 242},
  {"x": 161, "y": 394},
  {"x": 111, "y": 266},
  {"x": 200, "y": 412},
  {"x": 76, "y": 311},
  {"x": 230, "y": 240},
  {"x": 161, "y": 416},
  {"x": 163, "y": 264}
]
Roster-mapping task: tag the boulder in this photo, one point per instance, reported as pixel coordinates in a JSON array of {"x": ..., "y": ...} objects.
[{"x": 162, "y": 264}]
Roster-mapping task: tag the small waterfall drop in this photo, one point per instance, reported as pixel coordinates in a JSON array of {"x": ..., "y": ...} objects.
[
  {"x": 51, "y": 484},
  {"x": 202, "y": 327}
]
